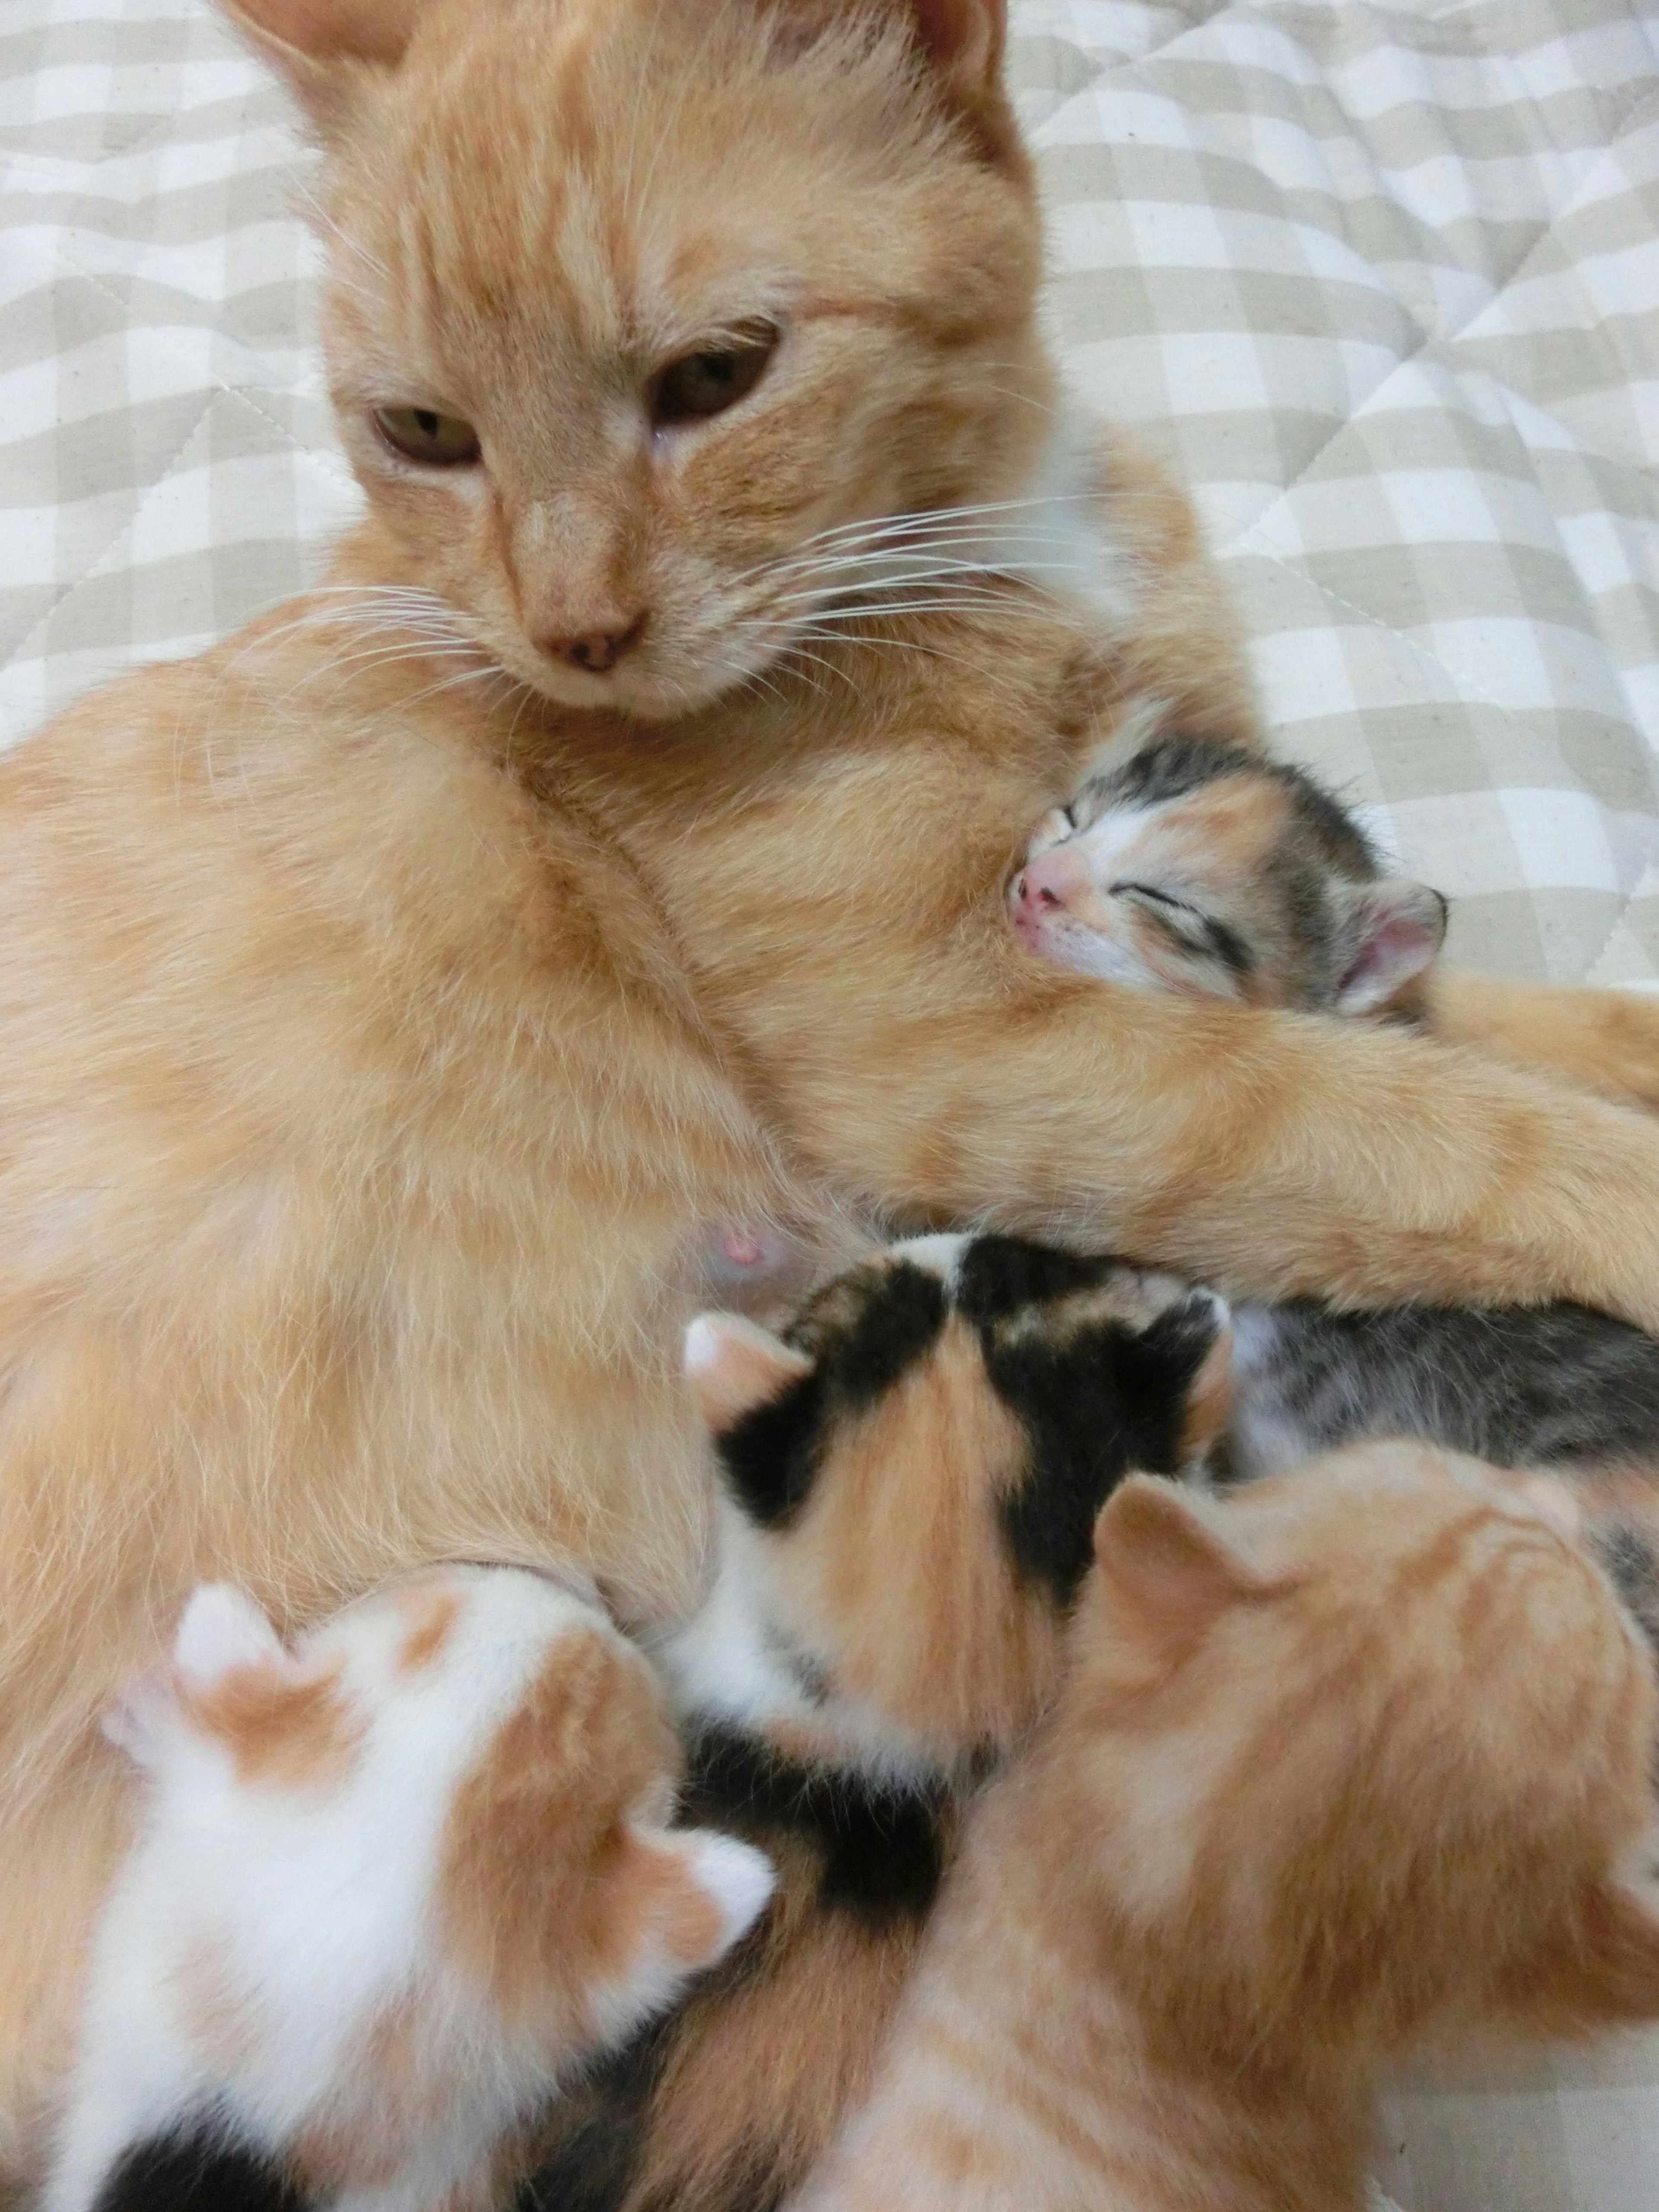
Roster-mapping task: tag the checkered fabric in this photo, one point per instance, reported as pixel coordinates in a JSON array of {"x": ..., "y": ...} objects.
[{"x": 1379, "y": 275}]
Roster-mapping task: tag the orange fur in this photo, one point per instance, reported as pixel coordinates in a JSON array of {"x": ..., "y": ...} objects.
[
  {"x": 1361, "y": 1753},
  {"x": 933, "y": 1648},
  {"x": 374, "y": 1053},
  {"x": 537, "y": 1908},
  {"x": 291, "y": 1733},
  {"x": 1600, "y": 1041}
]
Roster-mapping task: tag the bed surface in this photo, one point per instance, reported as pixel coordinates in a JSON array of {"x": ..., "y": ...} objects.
[{"x": 1382, "y": 281}]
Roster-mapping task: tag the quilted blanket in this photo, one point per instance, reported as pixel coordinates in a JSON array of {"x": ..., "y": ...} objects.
[{"x": 1380, "y": 275}]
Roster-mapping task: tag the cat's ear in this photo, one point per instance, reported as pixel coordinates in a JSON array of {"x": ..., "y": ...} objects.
[
  {"x": 136, "y": 1719},
  {"x": 1169, "y": 1566},
  {"x": 723, "y": 1887},
  {"x": 1390, "y": 933},
  {"x": 222, "y": 1631},
  {"x": 679, "y": 1899},
  {"x": 320, "y": 48},
  {"x": 963, "y": 42},
  {"x": 1192, "y": 1342},
  {"x": 734, "y": 1365}
]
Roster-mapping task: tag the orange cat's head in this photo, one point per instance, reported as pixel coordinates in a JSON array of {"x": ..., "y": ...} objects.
[
  {"x": 632, "y": 301},
  {"x": 1363, "y": 1747}
]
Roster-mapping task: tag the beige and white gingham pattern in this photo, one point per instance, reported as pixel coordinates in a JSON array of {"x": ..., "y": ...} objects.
[{"x": 1381, "y": 276}]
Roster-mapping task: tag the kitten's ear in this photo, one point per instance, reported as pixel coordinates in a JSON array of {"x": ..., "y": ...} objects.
[
  {"x": 136, "y": 1717},
  {"x": 963, "y": 40},
  {"x": 728, "y": 1886},
  {"x": 223, "y": 1630},
  {"x": 734, "y": 1365},
  {"x": 1192, "y": 1341},
  {"x": 320, "y": 48},
  {"x": 1392, "y": 932},
  {"x": 1169, "y": 1567},
  {"x": 687, "y": 1896}
]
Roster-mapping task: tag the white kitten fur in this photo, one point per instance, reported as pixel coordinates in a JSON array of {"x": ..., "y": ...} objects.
[{"x": 264, "y": 1924}]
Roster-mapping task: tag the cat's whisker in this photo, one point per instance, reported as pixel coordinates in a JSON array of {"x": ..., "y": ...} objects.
[{"x": 941, "y": 572}]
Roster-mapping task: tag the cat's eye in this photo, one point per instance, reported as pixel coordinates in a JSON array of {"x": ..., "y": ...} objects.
[
  {"x": 1150, "y": 891},
  {"x": 422, "y": 434},
  {"x": 713, "y": 377}
]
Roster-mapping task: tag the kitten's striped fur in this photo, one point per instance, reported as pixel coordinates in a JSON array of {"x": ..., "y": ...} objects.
[{"x": 1354, "y": 1753}]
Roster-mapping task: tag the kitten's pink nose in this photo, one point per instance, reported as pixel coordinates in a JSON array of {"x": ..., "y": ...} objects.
[
  {"x": 597, "y": 651},
  {"x": 1053, "y": 880}
]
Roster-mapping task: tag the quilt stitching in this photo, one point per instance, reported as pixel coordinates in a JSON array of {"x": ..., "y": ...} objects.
[{"x": 124, "y": 531}]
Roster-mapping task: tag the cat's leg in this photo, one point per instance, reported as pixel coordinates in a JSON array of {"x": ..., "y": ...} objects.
[
  {"x": 1269, "y": 1153},
  {"x": 1602, "y": 1041}
]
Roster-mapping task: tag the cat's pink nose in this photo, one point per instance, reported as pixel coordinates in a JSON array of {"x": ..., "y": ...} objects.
[
  {"x": 597, "y": 651},
  {"x": 1053, "y": 879}
]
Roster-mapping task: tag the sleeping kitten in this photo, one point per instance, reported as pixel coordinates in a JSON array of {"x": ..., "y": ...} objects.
[
  {"x": 392, "y": 1886},
  {"x": 911, "y": 1474},
  {"x": 1358, "y": 1753},
  {"x": 1199, "y": 868}
]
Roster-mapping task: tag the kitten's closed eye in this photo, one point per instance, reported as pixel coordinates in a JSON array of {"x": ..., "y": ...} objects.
[
  {"x": 423, "y": 434},
  {"x": 715, "y": 377},
  {"x": 1151, "y": 891}
]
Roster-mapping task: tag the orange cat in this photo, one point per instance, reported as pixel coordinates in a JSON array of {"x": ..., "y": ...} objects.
[
  {"x": 1365, "y": 1752},
  {"x": 398, "y": 996}
]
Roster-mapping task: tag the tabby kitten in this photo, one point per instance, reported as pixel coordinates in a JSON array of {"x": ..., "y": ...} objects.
[
  {"x": 395, "y": 993},
  {"x": 911, "y": 1473},
  {"x": 391, "y": 1888},
  {"x": 1197, "y": 868},
  {"x": 1357, "y": 1753}
]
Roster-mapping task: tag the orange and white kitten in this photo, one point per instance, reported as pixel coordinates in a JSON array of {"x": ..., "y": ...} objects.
[
  {"x": 1364, "y": 1751},
  {"x": 394, "y": 994},
  {"x": 392, "y": 1886}
]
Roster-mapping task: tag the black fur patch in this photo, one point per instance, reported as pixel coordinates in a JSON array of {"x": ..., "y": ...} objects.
[
  {"x": 894, "y": 1326},
  {"x": 1098, "y": 1403},
  {"x": 199, "y": 2173},
  {"x": 882, "y": 1847},
  {"x": 1003, "y": 1275},
  {"x": 604, "y": 2119},
  {"x": 772, "y": 1454}
]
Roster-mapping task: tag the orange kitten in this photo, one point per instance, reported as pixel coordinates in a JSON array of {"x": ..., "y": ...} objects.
[
  {"x": 1364, "y": 1751},
  {"x": 395, "y": 995}
]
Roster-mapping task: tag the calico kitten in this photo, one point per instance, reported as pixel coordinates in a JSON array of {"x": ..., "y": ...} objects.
[
  {"x": 1355, "y": 1754},
  {"x": 911, "y": 1473},
  {"x": 1194, "y": 867},
  {"x": 392, "y": 1886},
  {"x": 394, "y": 993}
]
